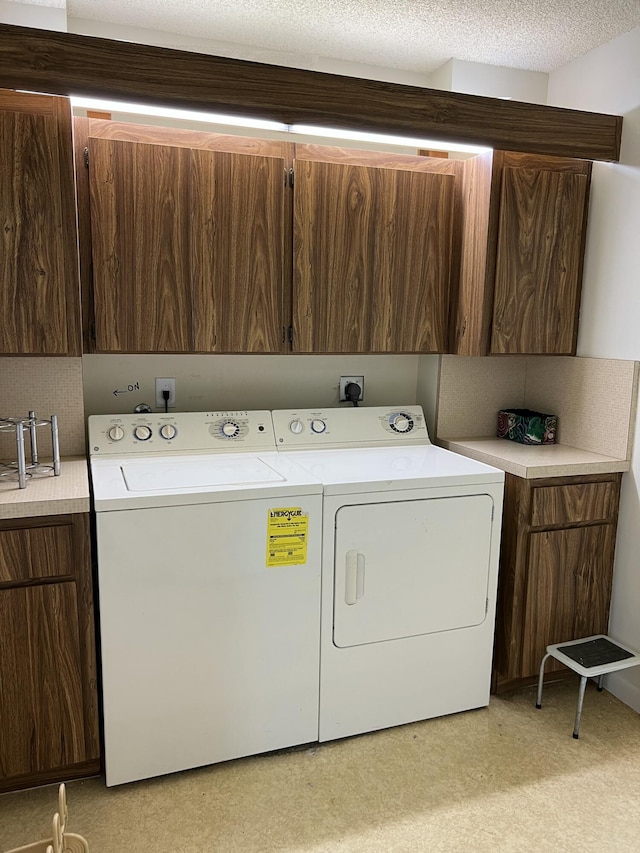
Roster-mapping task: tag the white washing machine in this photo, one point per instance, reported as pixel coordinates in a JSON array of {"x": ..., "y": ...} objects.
[
  {"x": 208, "y": 547},
  {"x": 411, "y": 536}
]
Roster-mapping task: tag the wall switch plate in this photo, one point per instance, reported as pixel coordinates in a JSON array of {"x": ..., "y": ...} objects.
[
  {"x": 163, "y": 384},
  {"x": 344, "y": 381}
]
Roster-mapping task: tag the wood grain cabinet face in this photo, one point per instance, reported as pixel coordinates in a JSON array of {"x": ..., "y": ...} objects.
[
  {"x": 556, "y": 568},
  {"x": 523, "y": 238},
  {"x": 140, "y": 237},
  {"x": 238, "y": 251},
  {"x": 187, "y": 235},
  {"x": 372, "y": 254},
  {"x": 539, "y": 261},
  {"x": 48, "y": 690},
  {"x": 39, "y": 285}
]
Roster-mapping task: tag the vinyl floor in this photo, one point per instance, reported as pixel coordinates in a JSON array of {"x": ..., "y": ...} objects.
[{"x": 503, "y": 778}]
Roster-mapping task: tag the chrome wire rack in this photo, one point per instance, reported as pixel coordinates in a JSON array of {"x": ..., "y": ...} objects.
[{"x": 21, "y": 469}]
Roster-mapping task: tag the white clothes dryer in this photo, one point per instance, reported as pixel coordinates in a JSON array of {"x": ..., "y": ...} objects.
[
  {"x": 208, "y": 547},
  {"x": 411, "y": 536}
]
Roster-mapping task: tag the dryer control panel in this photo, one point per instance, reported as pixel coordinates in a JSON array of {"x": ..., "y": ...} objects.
[{"x": 297, "y": 429}]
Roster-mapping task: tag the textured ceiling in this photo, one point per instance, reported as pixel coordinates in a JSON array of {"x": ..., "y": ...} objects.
[{"x": 411, "y": 35}]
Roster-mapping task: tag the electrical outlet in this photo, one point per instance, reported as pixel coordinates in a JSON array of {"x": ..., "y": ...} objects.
[
  {"x": 344, "y": 381},
  {"x": 164, "y": 385}
]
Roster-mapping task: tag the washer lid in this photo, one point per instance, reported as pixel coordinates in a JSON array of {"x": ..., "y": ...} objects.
[
  {"x": 161, "y": 474},
  {"x": 182, "y": 479}
]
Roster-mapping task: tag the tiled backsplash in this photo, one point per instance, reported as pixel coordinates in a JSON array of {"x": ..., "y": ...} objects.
[
  {"x": 47, "y": 386},
  {"x": 594, "y": 398}
]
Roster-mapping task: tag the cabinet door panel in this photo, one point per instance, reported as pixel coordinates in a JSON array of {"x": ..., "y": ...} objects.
[
  {"x": 334, "y": 217},
  {"x": 41, "y": 720},
  {"x": 140, "y": 225},
  {"x": 33, "y": 284},
  {"x": 551, "y": 594},
  {"x": 238, "y": 233},
  {"x": 412, "y": 261},
  {"x": 594, "y": 577},
  {"x": 538, "y": 264},
  {"x": 568, "y": 589},
  {"x": 36, "y": 552}
]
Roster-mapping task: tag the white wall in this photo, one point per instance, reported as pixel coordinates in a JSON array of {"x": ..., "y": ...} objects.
[
  {"x": 495, "y": 81},
  {"x": 608, "y": 80},
  {"x": 50, "y": 17}
]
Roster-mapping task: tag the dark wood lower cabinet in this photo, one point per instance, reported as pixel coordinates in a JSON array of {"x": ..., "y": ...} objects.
[
  {"x": 558, "y": 545},
  {"x": 48, "y": 691}
]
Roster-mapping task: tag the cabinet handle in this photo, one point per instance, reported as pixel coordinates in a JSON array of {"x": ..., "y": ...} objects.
[{"x": 354, "y": 577}]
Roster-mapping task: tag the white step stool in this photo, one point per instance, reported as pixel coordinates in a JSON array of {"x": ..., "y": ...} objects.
[{"x": 590, "y": 657}]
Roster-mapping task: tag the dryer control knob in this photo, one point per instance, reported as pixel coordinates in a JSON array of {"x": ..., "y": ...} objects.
[
  {"x": 296, "y": 426},
  {"x": 168, "y": 431},
  {"x": 318, "y": 426},
  {"x": 401, "y": 422},
  {"x": 230, "y": 429},
  {"x": 142, "y": 432},
  {"x": 115, "y": 433}
]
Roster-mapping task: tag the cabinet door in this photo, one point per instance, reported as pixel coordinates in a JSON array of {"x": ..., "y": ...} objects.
[
  {"x": 140, "y": 234},
  {"x": 41, "y": 719},
  {"x": 238, "y": 251},
  {"x": 568, "y": 588},
  {"x": 412, "y": 242},
  {"x": 539, "y": 261},
  {"x": 39, "y": 287},
  {"x": 334, "y": 217},
  {"x": 371, "y": 258}
]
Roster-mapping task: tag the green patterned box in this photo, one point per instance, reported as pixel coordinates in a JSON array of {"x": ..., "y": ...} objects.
[{"x": 526, "y": 426}]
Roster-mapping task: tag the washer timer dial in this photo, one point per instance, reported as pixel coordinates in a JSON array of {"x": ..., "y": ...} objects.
[{"x": 230, "y": 429}]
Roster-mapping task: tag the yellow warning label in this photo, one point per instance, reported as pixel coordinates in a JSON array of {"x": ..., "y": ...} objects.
[{"x": 287, "y": 534}]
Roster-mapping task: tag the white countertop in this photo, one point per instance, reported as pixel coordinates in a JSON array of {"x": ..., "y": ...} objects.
[
  {"x": 534, "y": 461},
  {"x": 46, "y": 494}
]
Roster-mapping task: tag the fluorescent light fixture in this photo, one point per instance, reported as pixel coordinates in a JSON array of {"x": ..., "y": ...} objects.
[
  {"x": 261, "y": 124},
  {"x": 384, "y": 139},
  {"x": 169, "y": 112}
]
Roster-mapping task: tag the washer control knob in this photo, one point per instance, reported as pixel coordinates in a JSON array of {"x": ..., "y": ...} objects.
[
  {"x": 230, "y": 429},
  {"x": 400, "y": 422},
  {"x": 296, "y": 426},
  {"x": 168, "y": 431},
  {"x": 115, "y": 433},
  {"x": 142, "y": 432},
  {"x": 318, "y": 425}
]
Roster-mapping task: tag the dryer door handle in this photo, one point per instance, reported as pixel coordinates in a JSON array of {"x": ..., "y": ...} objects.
[{"x": 353, "y": 577}]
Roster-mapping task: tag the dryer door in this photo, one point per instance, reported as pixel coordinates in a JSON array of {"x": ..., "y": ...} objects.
[{"x": 407, "y": 568}]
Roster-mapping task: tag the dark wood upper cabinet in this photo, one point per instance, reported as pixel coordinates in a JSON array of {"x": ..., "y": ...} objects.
[
  {"x": 39, "y": 286},
  {"x": 539, "y": 261},
  {"x": 523, "y": 237},
  {"x": 189, "y": 233},
  {"x": 334, "y": 216},
  {"x": 238, "y": 203},
  {"x": 140, "y": 238},
  {"x": 372, "y": 242}
]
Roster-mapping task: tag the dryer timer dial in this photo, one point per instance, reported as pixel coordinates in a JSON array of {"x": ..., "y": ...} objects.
[{"x": 401, "y": 422}]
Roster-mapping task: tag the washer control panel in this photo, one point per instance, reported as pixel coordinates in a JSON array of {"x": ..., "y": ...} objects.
[
  {"x": 182, "y": 431},
  {"x": 349, "y": 427}
]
